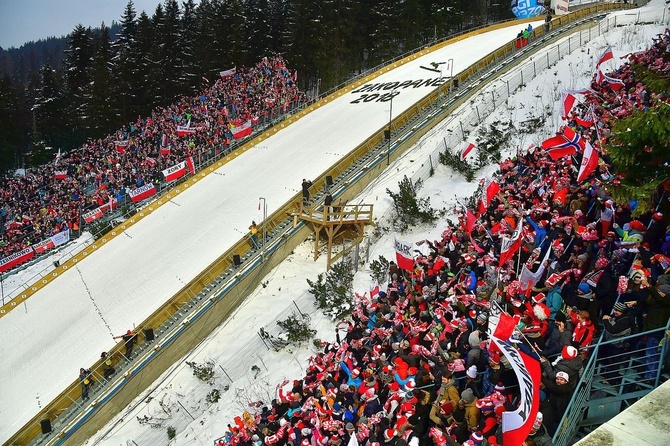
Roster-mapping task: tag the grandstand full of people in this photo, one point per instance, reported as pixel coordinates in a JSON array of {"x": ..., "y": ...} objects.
[
  {"x": 51, "y": 198},
  {"x": 415, "y": 364}
]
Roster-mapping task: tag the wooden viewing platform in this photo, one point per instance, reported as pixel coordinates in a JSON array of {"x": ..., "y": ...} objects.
[{"x": 336, "y": 222}]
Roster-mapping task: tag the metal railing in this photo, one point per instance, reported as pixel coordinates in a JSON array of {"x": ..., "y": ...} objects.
[{"x": 613, "y": 375}]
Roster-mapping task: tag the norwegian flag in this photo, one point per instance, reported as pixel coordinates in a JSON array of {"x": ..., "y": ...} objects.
[
  {"x": 565, "y": 143},
  {"x": 121, "y": 146},
  {"x": 466, "y": 150},
  {"x": 589, "y": 163},
  {"x": 607, "y": 55},
  {"x": 60, "y": 174}
]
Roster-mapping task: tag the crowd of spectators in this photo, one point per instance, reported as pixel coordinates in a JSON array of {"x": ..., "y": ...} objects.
[
  {"x": 37, "y": 205},
  {"x": 416, "y": 365}
]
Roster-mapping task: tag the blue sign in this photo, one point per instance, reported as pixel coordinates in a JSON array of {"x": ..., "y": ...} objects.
[{"x": 524, "y": 9}]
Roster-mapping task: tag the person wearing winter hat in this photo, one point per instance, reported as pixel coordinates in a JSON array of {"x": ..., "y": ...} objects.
[
  {"x": 469, "y": 403},
  {"x": 559, "y": 337},
  {"x": 493, "y": 374},
  {"x": 618, "y": 325},
  {"x": 538, "y": 432},
  {"x": 559, "y": 392},
  {"x": 477, "y": 438},
  {"x": 570, "y": 362}
]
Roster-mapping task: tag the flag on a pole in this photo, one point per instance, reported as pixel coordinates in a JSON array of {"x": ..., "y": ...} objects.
[
  {"x": 568, "y": 102},
  {"x": 466, "y": 150},
  {"x": 242, "y": 130},
  {"x": 529, "y": 277},
  {"x": 175, "y": 172},
  {"x": 607, "y": 55},
  {"x": 504, "y": 329},
  {"x": 403, "y": 253},
  {"x": 510, "y": 245},
  {"x": 589, "y": 163},
  {"x": 121, "y": 146},
  {"x": 491, "y": 191},
  {"x": 566, "y": 143},
  {"x": 516, "y": 425}
]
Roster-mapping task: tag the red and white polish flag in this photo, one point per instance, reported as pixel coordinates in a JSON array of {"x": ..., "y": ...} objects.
[
  {"x": 242, "y": 130},
  {"x": 175, "y": 172},
  {"x": 121, "y": 146},
  {"x": 403, "y": 254},
  {"x": 466, "y": 150}
]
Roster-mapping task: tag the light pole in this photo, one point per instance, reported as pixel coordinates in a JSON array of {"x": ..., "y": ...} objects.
[
  {"x": 451, "y": 74},
  {"x": 265, "y": 216},
  {"x": 388, "y": 150}
]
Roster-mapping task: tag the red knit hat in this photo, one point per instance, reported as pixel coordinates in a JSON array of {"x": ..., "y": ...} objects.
[{"x": 569, "y": 352}]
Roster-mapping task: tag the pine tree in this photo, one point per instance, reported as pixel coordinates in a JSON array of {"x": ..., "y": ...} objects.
[
  {"x": 144, "y": 69},
  {"x": 125, "y": 66},
  {"x": 49, "y": 121},
  {"x": 9, "y": 125},
  {"x": 100, "y": 112},
  {"x": 639, "y": 147},
  {"x": 78, "y": 62},
  {"x": 191, "y": 73},
  {"x": 258, "y": 30}
]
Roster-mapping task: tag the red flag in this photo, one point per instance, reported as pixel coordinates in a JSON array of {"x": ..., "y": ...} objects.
[
  {"x": 470, "y": 220},
  {"x": 190, "y": 165},
  {"x": 510, "y": 245},
  {"x": 467, "y": 150},
  {"x": 516, "y": 425},
  {"x": 607, "y": 55},
  {"x": 240, "y": 131},
  {"x": 505, "y": 327},
  {"x": 589, "y": 163},
  {"x": 568, "y": 103},
  {"x": 491, "y": 191},
  {"x": 121, "y": 146},
  {"x": 403, "y": 253}
]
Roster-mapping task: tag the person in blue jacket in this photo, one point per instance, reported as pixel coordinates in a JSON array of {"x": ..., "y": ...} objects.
[{"x": 540, "y": 231}]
